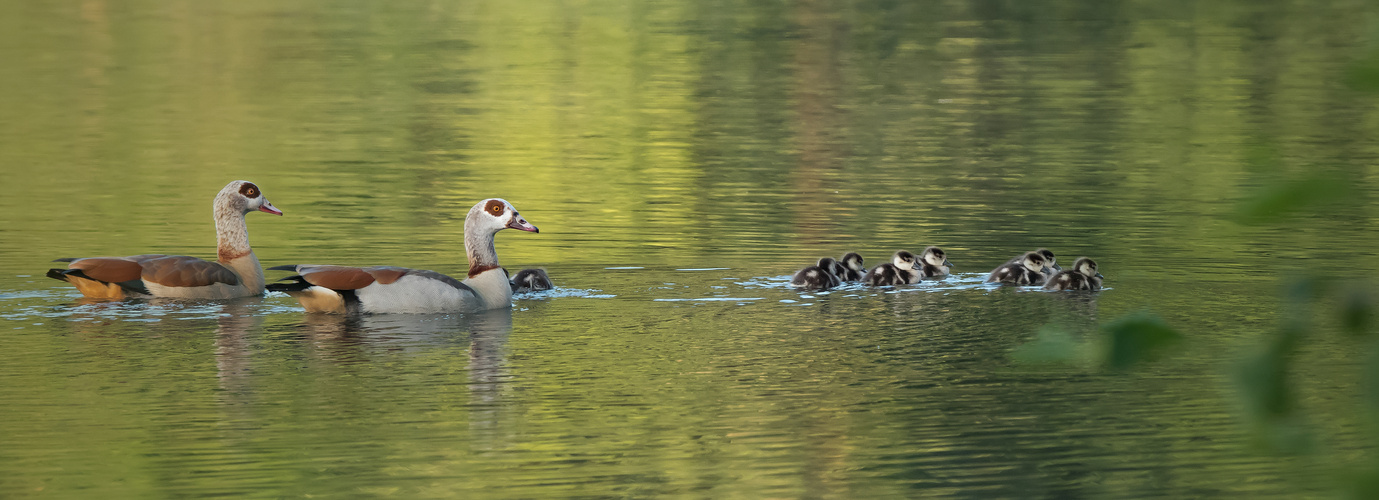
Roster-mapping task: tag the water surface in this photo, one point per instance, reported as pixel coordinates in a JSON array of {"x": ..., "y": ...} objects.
[{"x": 681, "y": 160}]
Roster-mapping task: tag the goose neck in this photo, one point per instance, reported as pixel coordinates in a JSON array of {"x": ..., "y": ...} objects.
[
  {"x": 231, "y": 234},
  {"x": 478, "y": 245}
]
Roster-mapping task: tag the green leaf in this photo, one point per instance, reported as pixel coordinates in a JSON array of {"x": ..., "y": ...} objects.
[
  {"x": 1278, "y": 201},
  {"x": 1362, "y": 484},
  {"x": 1136, "y": 338},
  {"x": 1371, "y": 378},
  {"x": 1357, "y": 311},
  {"x": 1270, "y": 404},
  {"x": 1263, "y": 380},
  {"x": 1363, "y": 75},
  {"x": 1051, "y": 345}
]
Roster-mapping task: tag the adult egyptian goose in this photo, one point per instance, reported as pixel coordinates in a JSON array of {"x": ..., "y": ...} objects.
[
  {"x": 817, "y": 277},
  {"x": 387, "y": 289},
  {"x": 531, "y": 280},
  {"x": 1029, "y": 269},
  {"x": 903, "y": 269},
  {"x": 1083, "y": 276},
  {"x": 235, "y": 273}
]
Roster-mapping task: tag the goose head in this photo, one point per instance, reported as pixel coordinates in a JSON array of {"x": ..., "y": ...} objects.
[
  {"x": 934, "y": 256},
  {"x": 535, "y": 280},
  {"x": 1035, "y": 262},
  {"x": 853, "y": 261},
  {"x": 830, "y": 265},
  {"x": 905, "y": 260},
  {"x": 493, "y": 215},
  {"x": 1050, "y": 260},
  {"x": 1086, "y": 267},
  {"x": 242, "y": 197}
]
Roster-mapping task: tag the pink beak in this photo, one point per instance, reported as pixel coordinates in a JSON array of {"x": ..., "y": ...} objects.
[
  {"x": 522, "y": 225},
  {"x": 269, "y": 208}
]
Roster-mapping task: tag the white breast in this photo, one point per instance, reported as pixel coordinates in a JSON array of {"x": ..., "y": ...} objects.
[
  {"x": 418, "y": 294},
  {"x": 415, "y": 295},
  {"x": 493, "y": 288}
]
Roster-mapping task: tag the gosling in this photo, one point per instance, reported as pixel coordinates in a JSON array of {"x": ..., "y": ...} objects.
[
  {"x": 817, "y": 277},
  {"x": 935, "y": 263},
  {"x": 1029, "y": 269},
  {"x": 1083, "y": 276},
  {"x": 1050, "y": 260},
  {"x": 851, "y": 267},
  {"x": 531, "y": 280},
  {"x": 903, "y": 269}
]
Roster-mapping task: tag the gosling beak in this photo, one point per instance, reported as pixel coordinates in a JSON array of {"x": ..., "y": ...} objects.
[
  {"x": 1099, "y": 276},
  {"x": 268, "y": 207},
  {"x": 521, "y": 224},
  {"x": 946, "y": 263},
  {"x": 1057, "y": 267}
]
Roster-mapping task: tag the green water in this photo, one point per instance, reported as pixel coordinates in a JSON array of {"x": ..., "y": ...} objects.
[{"x": 681, "y": 159}]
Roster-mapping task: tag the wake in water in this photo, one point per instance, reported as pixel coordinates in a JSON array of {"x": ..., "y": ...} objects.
[{"x": 21, "y": 306}]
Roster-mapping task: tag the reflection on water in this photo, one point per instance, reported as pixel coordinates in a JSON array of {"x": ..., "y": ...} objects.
[
  {"x": 232, "y": 351},
  {"x": 647, "y": 382},
  {"x": 682, "y": 159}
]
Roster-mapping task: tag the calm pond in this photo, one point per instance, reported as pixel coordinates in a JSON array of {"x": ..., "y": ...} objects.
[{"x": 681, "y": 160}]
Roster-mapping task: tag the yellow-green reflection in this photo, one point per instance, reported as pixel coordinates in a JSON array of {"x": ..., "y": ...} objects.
[{"x": 756, "y": 136}]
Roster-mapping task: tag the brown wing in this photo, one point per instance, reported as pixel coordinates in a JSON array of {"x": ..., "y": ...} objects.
[
  {"x": 336, "y": 277},
  {"x": 147, "y": 257},
  {"x": 108, "y": 269},
  {"x": 183, "y": 271},
  {"x": 387, "y": 274},
  {"x": 354, "y": 278}
]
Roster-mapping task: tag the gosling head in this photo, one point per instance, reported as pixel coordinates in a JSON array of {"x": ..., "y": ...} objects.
[
  {"x": 1049, "y": 260},
  {"x": 535, "y": 280},
  {"x": 1035, "y": 262},
  {"x": 1086, "y": 267},
  {"x": 853, "y": 261},
  {"x": 905, "y": 260},
  {"x": 934, "y": 256},
  {"x": 831, "y": 266}
]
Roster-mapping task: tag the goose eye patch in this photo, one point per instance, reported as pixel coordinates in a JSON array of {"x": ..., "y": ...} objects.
[
  {"x": 249, "y": 190},
  {"x": 494, "y": 207}
]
